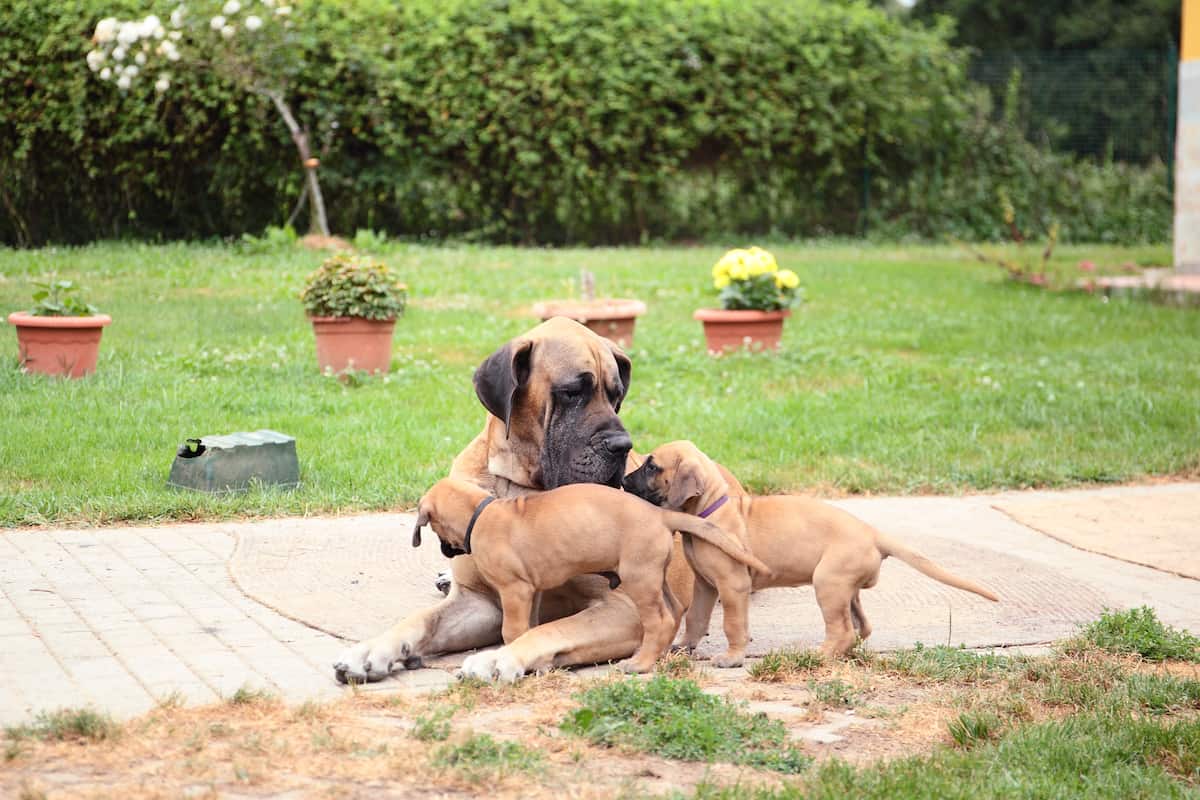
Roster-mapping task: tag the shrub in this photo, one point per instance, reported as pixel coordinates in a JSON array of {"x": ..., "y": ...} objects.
[
  {"x": 535, "y": 120},
  {"x": 345, "y": 287}
]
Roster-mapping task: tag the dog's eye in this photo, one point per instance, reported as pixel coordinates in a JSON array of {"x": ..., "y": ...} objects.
[{"x": 569, "y": 393}]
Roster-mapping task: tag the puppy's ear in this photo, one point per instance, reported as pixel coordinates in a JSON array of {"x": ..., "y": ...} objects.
[
  {"x": 422, "y": 521},
  {"x": 685, "y": 485},
  {"x": 624, "y": 372},
  {"x": 501, "y": 376}
]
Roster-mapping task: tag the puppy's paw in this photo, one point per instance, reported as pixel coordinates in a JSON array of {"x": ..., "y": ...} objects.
[
  {"x": 443, "y": 581},
  {"x": 372, "y": 660},
  {"x": 632, "y": 667},
  {"x": 727, "y": 660}
]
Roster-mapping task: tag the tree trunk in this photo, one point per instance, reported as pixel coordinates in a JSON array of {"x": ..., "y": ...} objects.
[{"x": 316, "y": 206}]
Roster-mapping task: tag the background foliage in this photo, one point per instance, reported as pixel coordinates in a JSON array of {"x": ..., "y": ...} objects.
[
  {"x": 1099, "y": 75},
  {"x": 539, "y": 121}
]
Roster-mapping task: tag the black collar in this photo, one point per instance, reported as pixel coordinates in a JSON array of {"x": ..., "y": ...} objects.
[{"x": 474, "y": 518}]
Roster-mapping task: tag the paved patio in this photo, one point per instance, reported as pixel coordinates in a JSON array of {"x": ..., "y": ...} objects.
[{"x": 118, "y": 618}]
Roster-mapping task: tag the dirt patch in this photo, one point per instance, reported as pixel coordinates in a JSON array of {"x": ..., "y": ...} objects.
[
  {"x": 363, "y": 745},
  {"x": 316, "y": 241}
]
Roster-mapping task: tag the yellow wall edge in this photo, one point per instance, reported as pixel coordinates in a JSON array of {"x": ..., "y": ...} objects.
[{"x": 1189, "y": 47}]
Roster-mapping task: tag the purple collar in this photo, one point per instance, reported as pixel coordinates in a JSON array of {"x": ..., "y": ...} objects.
[{"x": 706, "y": 512}]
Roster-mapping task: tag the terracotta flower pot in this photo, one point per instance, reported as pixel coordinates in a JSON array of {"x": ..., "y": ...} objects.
[
  {"x": 59, "y": 345},
  {"x": 731, "y": 330},
  {"x": 353, "y": 343},
  {"x": 612, "y": 319}
]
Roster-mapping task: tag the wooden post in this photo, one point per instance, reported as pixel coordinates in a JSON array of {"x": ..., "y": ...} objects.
[{"x": 1187, "y": 144}]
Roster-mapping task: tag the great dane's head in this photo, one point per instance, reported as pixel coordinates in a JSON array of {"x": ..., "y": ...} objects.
[{"x": 555, "y": 393}]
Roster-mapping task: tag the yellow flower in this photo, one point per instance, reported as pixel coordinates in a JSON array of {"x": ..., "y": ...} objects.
[
  {"x": 740, "y": 271},
  {"x": 786, "y": 279},
  {"x": 721, "y": 281},
  {"x": 759, "y": 261}
]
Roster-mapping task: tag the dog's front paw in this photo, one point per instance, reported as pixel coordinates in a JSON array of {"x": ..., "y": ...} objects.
[
  {"x": 497, "y": 665},
  {"x": 373, "y": 660},
  {"x": 727, "y": 661},
  {"x": 631, "y": 666}
]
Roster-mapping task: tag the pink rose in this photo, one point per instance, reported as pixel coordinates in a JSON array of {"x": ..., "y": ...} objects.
[{"x": 1087, "y": 266}]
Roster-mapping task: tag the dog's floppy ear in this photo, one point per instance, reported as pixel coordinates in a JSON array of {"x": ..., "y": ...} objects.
[
  {"x": 685, "y": 484},
  {"x": 624, "y": 372},
  {"x": 422, "y": 521},
  {"x": 501, "y": 376}
]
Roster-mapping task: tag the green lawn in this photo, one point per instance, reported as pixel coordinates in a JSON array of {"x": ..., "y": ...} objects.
[{"x": 910, "y": 369}]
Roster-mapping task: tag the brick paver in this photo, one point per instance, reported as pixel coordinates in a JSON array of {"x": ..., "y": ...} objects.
[{"x": 121, "y": 618}]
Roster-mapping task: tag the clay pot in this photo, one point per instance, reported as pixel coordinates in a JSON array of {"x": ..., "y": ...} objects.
[
  {"x": 66, "y": 346},
  {"x": 732, "y": 330},
  {"x": 612, "y": 319},
  {"x": 353, "y": 343}
]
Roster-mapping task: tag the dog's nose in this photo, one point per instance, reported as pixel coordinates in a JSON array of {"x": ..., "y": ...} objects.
[{"x": 617, "y": 442}]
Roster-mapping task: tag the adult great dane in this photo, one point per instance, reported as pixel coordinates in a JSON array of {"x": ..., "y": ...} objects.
[{"x": 552, "y": 397}]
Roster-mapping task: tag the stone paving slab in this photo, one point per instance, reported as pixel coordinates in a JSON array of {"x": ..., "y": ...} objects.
[
  {"x": 1163, "y": 533},
  {"x": 353, "y": 580}
]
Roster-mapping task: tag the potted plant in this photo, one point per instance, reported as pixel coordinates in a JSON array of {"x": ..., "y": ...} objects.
[
  {"x": 353, "y": 306},
  {"x": 756, "y": 297},
  {"x": 611, "y": 318},
  {"x": 60, "y": 335}
]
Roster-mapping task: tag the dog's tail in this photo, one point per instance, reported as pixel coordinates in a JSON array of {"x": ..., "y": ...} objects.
[
  {"x": 714, "y": 535},
  {"x": 890, "y": 547}
]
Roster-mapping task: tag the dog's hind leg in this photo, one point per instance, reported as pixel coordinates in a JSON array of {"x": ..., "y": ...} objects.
[
  {"x": 734, "y": 590},
  {"x": 835, "y": 596},
  {"x": 861, "y": 625},
  {"x": 658, "y": 628},
  {"x": 704, "y": 597}
]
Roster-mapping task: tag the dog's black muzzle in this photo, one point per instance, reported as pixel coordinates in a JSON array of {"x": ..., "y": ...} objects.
[
  {"x": 449, "y": 550},
  {"x": 638, "y": 483}
]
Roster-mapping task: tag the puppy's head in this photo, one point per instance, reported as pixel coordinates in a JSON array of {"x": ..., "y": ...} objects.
[
  {"x": 447, "y": 508},
  {"x": 676, "y": 475}
]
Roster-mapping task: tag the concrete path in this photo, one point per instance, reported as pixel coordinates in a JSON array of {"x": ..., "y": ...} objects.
[{"x": 118, "y": 618}]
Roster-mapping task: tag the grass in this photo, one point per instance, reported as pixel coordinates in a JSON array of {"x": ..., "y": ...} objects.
[
  {"x": 1089, "y": 757},
  {"x": 1080, "y": 722},
  {"x": 434, "y": 726},
  {"x": 66, "y": 724},
  {"x": 834, "y": 692},
  {"x": 1138, "y": 631},
  {"x": 782, "y": 665},
  {"x": 675, "y": 718},
  {"x": 480, "y": 756},
  {"x": 1126, "y": 733},
  {"x": 247, "y": 696},
  {"x": 946, "y": 664},
  {"x": 910, "y": 369}
]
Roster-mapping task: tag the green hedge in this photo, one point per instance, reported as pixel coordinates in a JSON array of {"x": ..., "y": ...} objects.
[{"x": 543, "y": 121}]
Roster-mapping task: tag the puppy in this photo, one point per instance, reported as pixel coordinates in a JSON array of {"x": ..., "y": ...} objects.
[
  {"x": 802, "y": 540},
  {"x": 526, "y": 544}
]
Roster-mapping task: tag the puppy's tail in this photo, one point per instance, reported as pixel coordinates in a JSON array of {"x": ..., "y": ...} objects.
[
  {"x": 890, "y": 547},
  {"x": 689, "y": 524}
]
